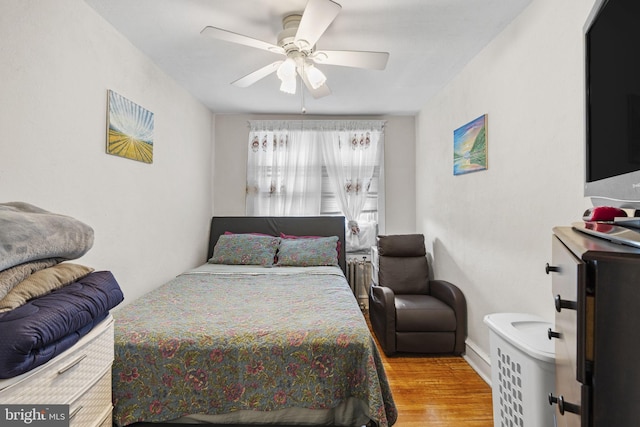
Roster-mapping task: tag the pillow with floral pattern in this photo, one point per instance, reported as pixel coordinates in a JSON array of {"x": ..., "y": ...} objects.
[
  {"x": 245, "y": 249},
  {"x": 308, "y": 252}
]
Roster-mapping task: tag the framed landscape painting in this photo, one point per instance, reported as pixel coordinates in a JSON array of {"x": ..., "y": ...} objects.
[
  {"x": 129, "y": 130},
  {"x": 470, "y": 147}
]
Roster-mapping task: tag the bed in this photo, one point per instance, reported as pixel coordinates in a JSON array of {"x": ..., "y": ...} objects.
[{"x": 253, "y": 344}]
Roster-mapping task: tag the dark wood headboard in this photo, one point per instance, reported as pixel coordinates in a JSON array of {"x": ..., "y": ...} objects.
[{"x": 295, "y": 225}]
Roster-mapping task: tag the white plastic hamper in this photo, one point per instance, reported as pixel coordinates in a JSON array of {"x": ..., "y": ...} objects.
[{"x": 522, "y": 370}]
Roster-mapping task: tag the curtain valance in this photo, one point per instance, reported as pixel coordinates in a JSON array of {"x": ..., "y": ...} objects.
[{"x": 324, "y": 125}]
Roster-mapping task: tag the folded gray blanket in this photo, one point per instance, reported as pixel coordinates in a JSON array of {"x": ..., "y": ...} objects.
[{"x": 28, "y": 233}]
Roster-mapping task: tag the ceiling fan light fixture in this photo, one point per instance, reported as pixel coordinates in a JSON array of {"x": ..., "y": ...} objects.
[
  {"x": 288, "y": 85},
  {"x": 287, "y": 75},
  {"x": 287, "y": 69},
  {"x": 315, "y": 77}
]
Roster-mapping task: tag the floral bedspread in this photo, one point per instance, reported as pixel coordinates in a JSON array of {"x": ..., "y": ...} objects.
[{"x": 216, "y": 343}]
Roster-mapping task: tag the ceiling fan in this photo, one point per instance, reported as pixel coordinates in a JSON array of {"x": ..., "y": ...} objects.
[{"x": 297, "y": 42}]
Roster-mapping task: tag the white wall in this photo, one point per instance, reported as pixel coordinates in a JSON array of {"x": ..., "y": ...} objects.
[
  {"x": 232, "y": 134},
  {"x": 490, "y": 231},
  {"x": 151, "y": 221}
]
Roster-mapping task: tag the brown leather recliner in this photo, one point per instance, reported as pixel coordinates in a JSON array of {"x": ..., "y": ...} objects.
[{"x": 409, "y": 311}]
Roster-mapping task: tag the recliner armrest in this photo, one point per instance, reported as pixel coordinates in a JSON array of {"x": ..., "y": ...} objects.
[
  {"x": 451, "y": 295},
  {"x": 447, "y": 292},
  {"x": 384, "y": 296},
  {"x": 382, "y": 314}
]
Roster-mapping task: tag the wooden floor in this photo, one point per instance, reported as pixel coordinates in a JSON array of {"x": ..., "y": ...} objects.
[{"x": 438, "y": 392}]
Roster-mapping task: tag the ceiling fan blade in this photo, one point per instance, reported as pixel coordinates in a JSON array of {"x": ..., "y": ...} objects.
[
  {"x": 230, "y": 36},
  {"x": 352, "y": 58},
  {"x": 319, "y": 92},
  {"x": 251, "y": 78},
  {"x": 316, "y": 18}
]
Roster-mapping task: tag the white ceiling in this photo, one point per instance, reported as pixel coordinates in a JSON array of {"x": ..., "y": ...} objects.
[{"x": 429, "y": 41}]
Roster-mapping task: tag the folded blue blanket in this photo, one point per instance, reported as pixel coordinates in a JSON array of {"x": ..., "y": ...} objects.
[{"x": 44, "y": 327}]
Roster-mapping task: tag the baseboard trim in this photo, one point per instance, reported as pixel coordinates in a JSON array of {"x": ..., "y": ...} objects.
[{"x": 478, "y": 360}]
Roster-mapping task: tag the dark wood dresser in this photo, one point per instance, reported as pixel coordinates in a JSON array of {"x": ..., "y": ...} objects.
[{"x": 596, "y": 291}]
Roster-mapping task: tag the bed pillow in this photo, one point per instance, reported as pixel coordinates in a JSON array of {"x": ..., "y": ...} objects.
[
  {"x": 291, "y": 236},
  {"x": 229, "y": 233},
  {"x": 245, "y": 249},
  {"x": 308, "y": 252}
]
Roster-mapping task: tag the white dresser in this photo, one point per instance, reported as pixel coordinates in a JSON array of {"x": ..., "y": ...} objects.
[{"x": 79, "y": 377}]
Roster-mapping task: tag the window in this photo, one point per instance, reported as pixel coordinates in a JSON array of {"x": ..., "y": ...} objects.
[
  {"x": 299, "y": 168},
  {"x": 329, "y": 204}
]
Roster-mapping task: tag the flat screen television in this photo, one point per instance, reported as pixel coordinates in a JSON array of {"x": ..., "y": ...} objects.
[{"x": 612, "y": 48}]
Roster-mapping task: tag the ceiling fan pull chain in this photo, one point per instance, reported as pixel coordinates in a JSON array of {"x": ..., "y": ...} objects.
[{"x": 303, "y": 109}]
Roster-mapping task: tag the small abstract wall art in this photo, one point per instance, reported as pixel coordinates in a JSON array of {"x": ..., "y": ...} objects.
[
  {"x": 470, "y": 147},
  {"x": 129, "y": 130}
]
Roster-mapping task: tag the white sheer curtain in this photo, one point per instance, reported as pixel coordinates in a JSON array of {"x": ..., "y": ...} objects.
[
  {"x": 350, "y": 150},
  {"x": 284, "y": 169},
  {"x": 284, "y": 172}
]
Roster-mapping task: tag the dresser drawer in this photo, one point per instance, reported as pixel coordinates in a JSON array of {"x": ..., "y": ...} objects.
[
  {"x": 90, "y": 409},
  {"x": 108, "y": 419},
  {"x": 63, "y": 379},
  {"x": 565, "y": 281}
]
